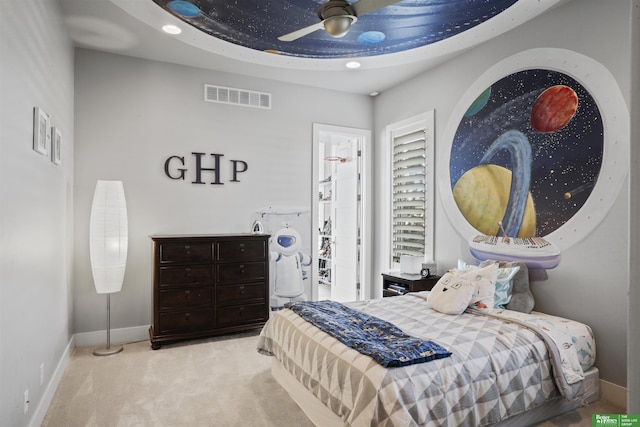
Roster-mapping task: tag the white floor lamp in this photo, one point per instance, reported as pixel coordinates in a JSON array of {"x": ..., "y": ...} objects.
[{"x": 108, "y": 235}]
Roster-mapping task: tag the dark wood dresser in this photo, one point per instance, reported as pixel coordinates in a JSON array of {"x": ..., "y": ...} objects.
[{"x": 205, "y": 285}]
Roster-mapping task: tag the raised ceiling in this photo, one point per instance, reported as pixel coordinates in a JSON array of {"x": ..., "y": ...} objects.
[
  {"x": 241, "y": 36},
  {"x": 407, "y": 24}
]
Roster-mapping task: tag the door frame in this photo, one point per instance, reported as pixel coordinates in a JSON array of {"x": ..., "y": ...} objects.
[{"x": 366, "y": 213}]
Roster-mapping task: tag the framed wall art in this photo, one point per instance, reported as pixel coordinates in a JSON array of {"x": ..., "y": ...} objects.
[
  {"x": 41, "y": 130},
  {"x": 56, "y": 142}
]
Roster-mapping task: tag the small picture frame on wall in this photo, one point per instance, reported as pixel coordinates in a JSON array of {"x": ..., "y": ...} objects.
[
  {"x": 41, "y": 130},
  {"x": 56, "y": 143}
]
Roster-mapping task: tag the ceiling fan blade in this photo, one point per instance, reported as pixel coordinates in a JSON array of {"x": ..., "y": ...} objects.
[
  {"x": 367, "y": 6},
  {"x": 301, "y": 32}
]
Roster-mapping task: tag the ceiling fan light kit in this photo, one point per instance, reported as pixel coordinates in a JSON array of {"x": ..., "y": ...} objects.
[
  {"x": 338, "y": 26},
  {"x": 336, "y": 17}
]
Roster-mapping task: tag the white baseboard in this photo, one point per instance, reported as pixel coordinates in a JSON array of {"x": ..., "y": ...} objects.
[
  {"x": 52, "y": 386},
  {"x": 118, "y": 336},
  {"x": 614, "y": 393}
]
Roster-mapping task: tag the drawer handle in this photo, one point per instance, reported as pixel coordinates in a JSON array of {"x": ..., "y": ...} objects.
[
  {"x": 187, "y": 295},
  {"x": 187, "y": 272},
  {"x": 187, "y": 317},
  {"x": 241, "y": 290}
]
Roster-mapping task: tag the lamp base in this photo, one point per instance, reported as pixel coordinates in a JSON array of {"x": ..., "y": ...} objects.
[{"x": 107, "y": 351}]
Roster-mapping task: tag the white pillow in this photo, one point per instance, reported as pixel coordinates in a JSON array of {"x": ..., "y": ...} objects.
[
  {"x": 484, "y": 280},
  {"x": 451, "y": 295}
]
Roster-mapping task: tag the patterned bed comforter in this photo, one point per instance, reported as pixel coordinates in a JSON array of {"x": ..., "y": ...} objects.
[{"x": 499, "y": 367}]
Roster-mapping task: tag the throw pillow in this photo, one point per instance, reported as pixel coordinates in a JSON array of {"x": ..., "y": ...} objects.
[
  {"x": 523, "y": 301},
  {"x": 451, "y": 295},
  {"x": 521, "y": 297},
  {"x": 504, "y": 286},
  {"x": 484, "y": 280}
]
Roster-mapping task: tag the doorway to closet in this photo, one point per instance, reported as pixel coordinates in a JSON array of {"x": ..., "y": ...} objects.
[{"x": 341, "y": 213}]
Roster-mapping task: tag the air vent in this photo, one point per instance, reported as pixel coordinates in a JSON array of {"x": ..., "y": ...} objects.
[{"x": 230, "y": 95}]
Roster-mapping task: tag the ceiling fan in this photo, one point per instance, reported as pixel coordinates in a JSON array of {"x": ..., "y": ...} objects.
[{"x": 336, "y": 17}]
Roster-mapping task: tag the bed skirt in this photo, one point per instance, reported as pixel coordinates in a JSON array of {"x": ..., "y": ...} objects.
[{"x": 320, "y": 415}]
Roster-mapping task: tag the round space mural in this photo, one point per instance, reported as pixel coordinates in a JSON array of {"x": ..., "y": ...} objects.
[
  {"x": 538, "y": 155},
  {"x": 526, "y": 154}
]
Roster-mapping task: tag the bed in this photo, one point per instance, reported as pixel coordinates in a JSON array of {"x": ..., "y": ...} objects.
[{"x": 506, "y": 367}]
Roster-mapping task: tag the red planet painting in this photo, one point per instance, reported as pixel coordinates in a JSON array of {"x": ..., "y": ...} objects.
[{"x": 554, "y": 108}]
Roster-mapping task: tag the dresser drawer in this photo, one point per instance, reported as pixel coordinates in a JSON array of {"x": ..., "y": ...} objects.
[
  {"x": 185, "y": 252},
  {"x": 185, "y": 275},
  {"x": 237, "y": 293},
  {"x": 185, "y": 297},
  {"x": 241, "y": 314},
  {"x": 192, "y": 320},
  {"x": 241, "y": 250},
  {"x": 242, "y": 272}
]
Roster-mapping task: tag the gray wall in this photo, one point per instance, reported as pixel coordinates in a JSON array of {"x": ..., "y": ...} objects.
[
  {"x": 591, "y": 283},
  {"x": 132, "y": 114},
  {"x": 36, "y": 209},
  {"x": 633, "y": 364}
]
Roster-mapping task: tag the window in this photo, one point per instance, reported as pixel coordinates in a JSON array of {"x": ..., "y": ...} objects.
[
  {"x": 411, "y": 177},
  {"x": 408, "y": 199}
]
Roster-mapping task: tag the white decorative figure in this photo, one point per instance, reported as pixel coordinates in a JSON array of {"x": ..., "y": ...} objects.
[{"x": 291, "y": 267}]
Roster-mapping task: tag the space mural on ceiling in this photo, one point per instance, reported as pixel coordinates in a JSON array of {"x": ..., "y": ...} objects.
[
  {"x": 525, "y": 158},
  {"x": 408, "y": 24}
]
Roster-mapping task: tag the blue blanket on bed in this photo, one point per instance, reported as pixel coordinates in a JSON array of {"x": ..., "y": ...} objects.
[{"x": 374, "y": 337}]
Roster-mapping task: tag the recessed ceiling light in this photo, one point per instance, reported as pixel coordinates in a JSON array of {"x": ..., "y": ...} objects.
[
  {"x": 374, "y": 93},
  {"x": 171, "y": 29},
  {"x": 353, "y": 65}
]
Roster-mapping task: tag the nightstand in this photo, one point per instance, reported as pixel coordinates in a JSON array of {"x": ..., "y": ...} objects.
[{"x": 397, "y": 283}]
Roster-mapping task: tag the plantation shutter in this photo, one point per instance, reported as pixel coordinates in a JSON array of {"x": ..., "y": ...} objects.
[{"x": 409, "y": 194}]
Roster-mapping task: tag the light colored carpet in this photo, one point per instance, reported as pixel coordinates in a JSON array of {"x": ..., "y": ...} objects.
[
  {"x": 220, "y": 381},
  {"x": 213, "y": 382}
]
